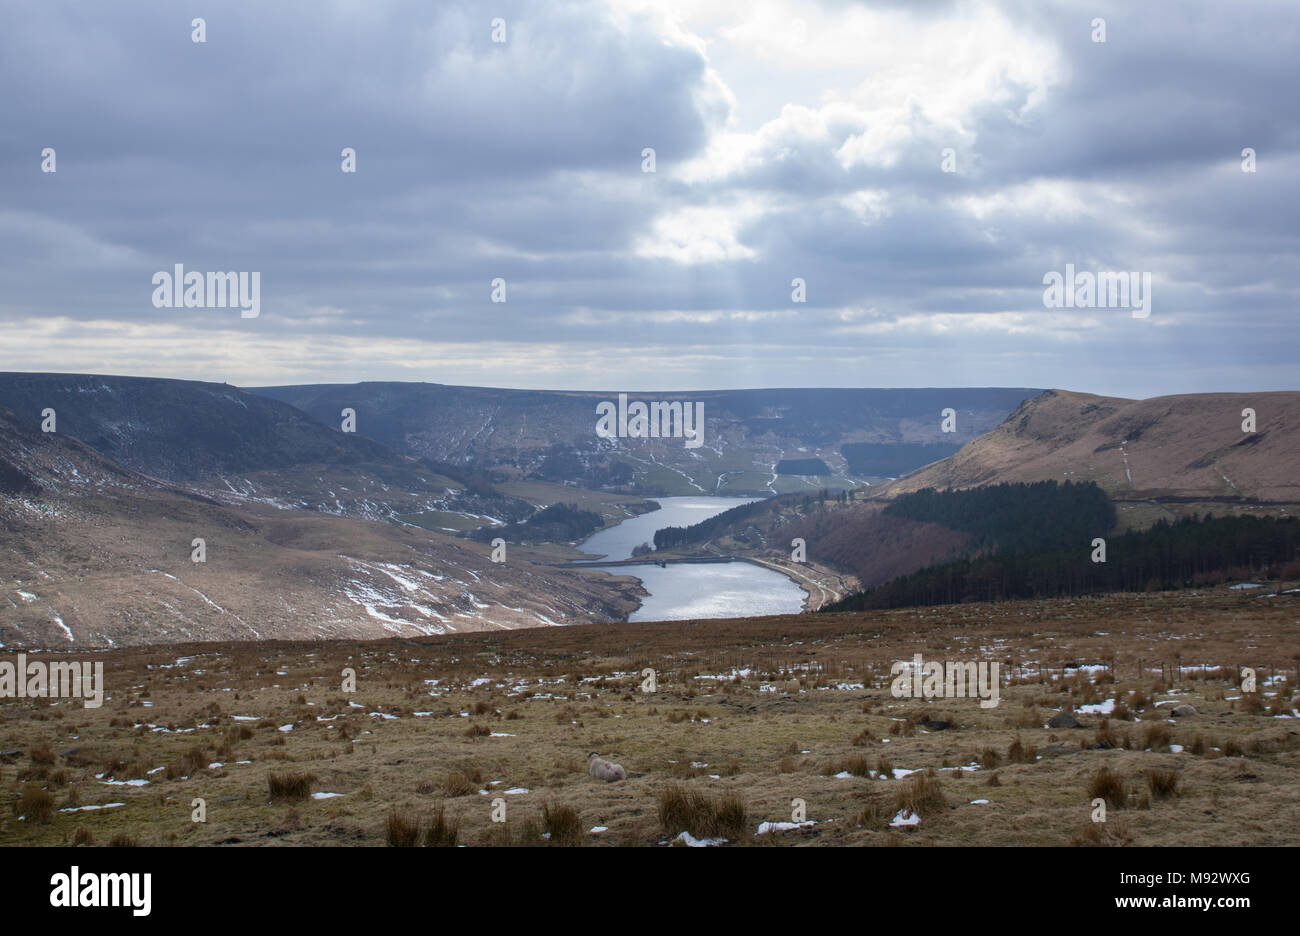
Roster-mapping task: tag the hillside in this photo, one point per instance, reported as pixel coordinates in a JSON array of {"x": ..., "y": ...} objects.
[
  {"x": 550, "y": 435},
  {"x": 183, "y": 430},
  {"x": 242, "y": 448},
  {"x": 1157, "y": 459},
  {"x": 94, "y": 554},
  {"x": 1188, "y": 447}
]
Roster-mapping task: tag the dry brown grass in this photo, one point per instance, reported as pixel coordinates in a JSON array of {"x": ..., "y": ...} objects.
[
  {"x": 854, "y": 764},
  {"x": 1156, "y": 737},
  {"x": 1107, "y": 785},
  {"x": 1018, "y": 752},
  {"x": 441, "y": 832},
  {"x": 562, "y": 825},
  {"x": 1103, "y": 834},
  {"x": 401, "y": 829},
  {"x": 921, "y": 793},
  {"x": 35, "y": 804},
  {"x": 875, "y": 815},
  {"x": 461, "y": 783},
  {"x": 752, "y": 733},
  {"x": 684, "y": 809},
  {"x": 290, "y": 787},
  {"x": 1162, "y": 782}
]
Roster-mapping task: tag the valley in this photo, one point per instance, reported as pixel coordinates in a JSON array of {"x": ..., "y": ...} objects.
[
  {"x": 310, "y": 531},
  {"x": 363, "y": 658}
]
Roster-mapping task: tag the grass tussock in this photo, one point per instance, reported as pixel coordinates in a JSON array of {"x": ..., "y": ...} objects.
[
  {"x": 460, "y": 783},
  {"x": 1162, "y": 782},
  {"x": 562, "y": 825},
  {"x": 401, "y": 829},
  {"x": 290, "y": 787},
  {"x": 921, "y": 794},
  {"x": 875, "y": 815},
  {"x": 1107, "y": 785},
  {"x": 854, "y": 764},
  {"x": 1156, "y": 737},
  {"x": 441, "y": 832},
  {"x": 1102, "y": 835},
  {"x": 36, "y": 804},
  {"x": 1020, "y": 753},
  {"x": 686, "y": 810}
]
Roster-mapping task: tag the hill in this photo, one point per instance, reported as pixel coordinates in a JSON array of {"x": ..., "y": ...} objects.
[
  {"x": 1156, "y": 460},
  {"x": 95, "y": 554},
  {"x": 243, "y": 448},
  {"x": 550, "y": 435},
  {"x": 1188, "y": 447}
]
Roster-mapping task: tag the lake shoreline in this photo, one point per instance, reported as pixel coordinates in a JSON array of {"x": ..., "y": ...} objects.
[{"x": 713, "y": 595}]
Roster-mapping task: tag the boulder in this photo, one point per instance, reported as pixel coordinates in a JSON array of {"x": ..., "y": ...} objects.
[
  {"x": 1064, "y": 720},
  {"x": 1183, "y": 711}
]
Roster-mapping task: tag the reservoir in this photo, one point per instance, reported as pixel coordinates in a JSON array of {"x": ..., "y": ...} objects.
[{"x": 693, "y": 590}]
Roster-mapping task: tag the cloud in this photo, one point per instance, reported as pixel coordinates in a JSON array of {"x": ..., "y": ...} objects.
[{"x": 792, "y": 140}]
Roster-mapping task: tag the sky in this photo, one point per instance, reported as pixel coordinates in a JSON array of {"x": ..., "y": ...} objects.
[{"x": 918, "y": 167}]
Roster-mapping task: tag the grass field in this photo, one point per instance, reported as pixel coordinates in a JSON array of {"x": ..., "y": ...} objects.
[{"x": 748, "y": 716}]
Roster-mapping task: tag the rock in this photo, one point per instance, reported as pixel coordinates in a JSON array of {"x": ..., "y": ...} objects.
[
  {"x": 70, "y": 752},
  {"x": 1056, "y": 750},
  {"x": 1064, "y": 720},
  {"x": 1182, "y": 711},
  {"x": 936, "y": 725}
]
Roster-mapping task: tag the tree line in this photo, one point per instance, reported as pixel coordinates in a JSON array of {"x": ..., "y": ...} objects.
[
  {"x": 1190, "y": 552},
  {"x": 558, "y": 523},
  {"x": 1021, "y": 516}
]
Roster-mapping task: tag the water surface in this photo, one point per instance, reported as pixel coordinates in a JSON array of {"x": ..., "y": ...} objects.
[
  {"x": 684, "y": 591},
  {"x": 617, "y": 542}
]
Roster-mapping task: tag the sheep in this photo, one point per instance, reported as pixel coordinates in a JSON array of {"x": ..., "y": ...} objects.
[{"x": 602, "y": 769}]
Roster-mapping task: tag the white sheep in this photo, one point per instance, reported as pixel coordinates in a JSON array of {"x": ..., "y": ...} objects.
[{"x": 602, "y": 769}]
